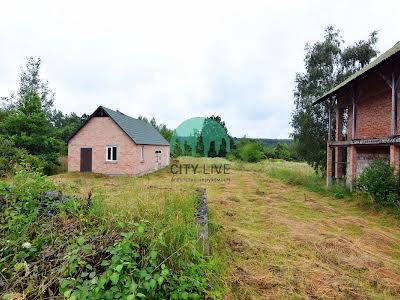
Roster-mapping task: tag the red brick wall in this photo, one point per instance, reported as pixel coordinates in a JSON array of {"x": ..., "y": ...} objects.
[
  {"x": 367, "y": 154},
  {"x": 102, "y": 131},
  {"x": 374, "y": 116},
  {"x": 374, "y": 104}
]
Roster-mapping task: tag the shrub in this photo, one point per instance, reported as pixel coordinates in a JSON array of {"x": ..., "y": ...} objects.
[
  {"x": 129, "y": 270},
  {"x": 9, "y": 156},
  {"x": 251, "y": 152},
  {"x": 379, "y": 182}
]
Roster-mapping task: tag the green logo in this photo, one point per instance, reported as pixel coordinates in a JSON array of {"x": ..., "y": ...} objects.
[{"x": 199, "y": 133}]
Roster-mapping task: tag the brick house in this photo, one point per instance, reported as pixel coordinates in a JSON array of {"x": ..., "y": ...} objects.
[
  {"x": 112, "y": 143},
  {"x": 366, "y": 123}
]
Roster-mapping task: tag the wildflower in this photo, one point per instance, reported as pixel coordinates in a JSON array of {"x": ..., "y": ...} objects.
[{"x": 27, "y": 245}]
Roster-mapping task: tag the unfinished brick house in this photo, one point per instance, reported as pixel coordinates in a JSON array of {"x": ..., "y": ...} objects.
[
  {"x": 367, "y": 118},
  {"x": 112, "y": 143}
]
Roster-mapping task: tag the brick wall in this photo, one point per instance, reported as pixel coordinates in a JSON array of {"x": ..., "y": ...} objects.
[
  {"x": 374, "y": 116},
  {"x": 366, "y": 155},
  {"x": 102, "y": 131},
  {"x": 374, "y": 105}
]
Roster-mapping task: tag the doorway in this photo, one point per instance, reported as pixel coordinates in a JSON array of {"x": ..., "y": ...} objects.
[{"x": 86, "y": 159}]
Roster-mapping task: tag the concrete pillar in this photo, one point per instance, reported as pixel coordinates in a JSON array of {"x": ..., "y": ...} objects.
[
  {"x": 395, "y": 157},
  {"x": 329, "y": 154},
  {"x": 352, "y": 166}
]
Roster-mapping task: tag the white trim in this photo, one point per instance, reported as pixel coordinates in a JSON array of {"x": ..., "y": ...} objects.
[
  {"x": 141, "y": 153},
  {"x": 112, "y": 153}
]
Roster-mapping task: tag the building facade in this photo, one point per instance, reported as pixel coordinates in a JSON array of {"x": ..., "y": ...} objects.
[
  {"x": 366, "y": 120},
  {"x": 112, "y": 143}
]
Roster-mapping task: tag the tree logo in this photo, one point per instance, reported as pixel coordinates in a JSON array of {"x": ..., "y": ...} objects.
[{"x": 199, "y": 134}]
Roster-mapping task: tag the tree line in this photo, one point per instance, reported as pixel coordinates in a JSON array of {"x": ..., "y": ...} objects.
[{"x": 32, "y": 131}]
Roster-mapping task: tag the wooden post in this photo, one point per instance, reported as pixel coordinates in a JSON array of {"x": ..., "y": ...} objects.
[
  {"x": 329, "y": 150},
  {"x": 394, "y": 104},
  {"x": 329, "y": 122},
  {"x": 392, "y": 83},
  {"x": 354, "y": 116},
  {"x": 329, "y": 170}
]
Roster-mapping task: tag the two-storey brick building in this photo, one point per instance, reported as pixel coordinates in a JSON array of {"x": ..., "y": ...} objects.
[{"x": 367, "y": 118}]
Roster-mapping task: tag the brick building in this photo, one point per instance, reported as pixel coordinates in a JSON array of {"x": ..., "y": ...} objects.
[
  {"x": 112, "y": 143},
  {"x": 367, "y": 118}
]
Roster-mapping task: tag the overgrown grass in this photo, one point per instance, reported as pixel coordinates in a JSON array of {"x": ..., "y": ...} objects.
[
  {"x": 157, "y": 223},
  {"x": 296, "y": 173}
]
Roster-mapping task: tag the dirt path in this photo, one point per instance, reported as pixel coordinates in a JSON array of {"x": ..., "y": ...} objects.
[{"x": 283, "y": 242}]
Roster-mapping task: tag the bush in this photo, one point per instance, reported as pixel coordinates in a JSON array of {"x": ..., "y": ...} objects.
[
  {"x": 129, "y": 270},
  {"x": 379, "y": 182},
  {"x": 9, "y": 156},
  {"x": 251, "y": 152}
]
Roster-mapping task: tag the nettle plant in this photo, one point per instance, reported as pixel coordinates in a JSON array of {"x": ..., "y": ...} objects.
[{"x": 128, "y": 271}]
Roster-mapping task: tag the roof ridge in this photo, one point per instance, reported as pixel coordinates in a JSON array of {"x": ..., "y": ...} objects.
[{"x": 139, "y": 131}]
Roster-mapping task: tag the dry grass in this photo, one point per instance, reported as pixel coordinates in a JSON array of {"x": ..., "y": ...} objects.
[{"x": 274, "y": 240}]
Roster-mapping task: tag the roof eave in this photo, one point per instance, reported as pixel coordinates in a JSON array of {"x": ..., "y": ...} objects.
[{"x": 335, "y": 90}]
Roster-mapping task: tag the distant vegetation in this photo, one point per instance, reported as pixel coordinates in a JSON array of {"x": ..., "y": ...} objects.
[
  {"x": 254, "y": 150},
  {"x": 267, "y": 142}
]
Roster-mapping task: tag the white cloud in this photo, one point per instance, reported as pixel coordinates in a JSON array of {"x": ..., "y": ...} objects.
[{"x": 178, "y": 59}]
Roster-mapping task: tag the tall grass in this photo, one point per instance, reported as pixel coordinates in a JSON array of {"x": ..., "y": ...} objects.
[{"x": 295, "y": 173}]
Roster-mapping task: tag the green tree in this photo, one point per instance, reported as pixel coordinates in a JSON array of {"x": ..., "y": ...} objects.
[
  {"x": 161, "y": 128},
  {"x": 250, "y": 151},
  {"x": 30, "y": 80},
  {"x": 27, "y": 126},
  {"x": 282, "y": 151},
  {"x": 9, "y": 156},
  {"x": 327, "y": 63}
]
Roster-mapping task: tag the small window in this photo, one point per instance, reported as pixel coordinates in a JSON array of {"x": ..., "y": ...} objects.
[
  {"x": 142, "y": 153},
  {"x": 111, "y": 153}
]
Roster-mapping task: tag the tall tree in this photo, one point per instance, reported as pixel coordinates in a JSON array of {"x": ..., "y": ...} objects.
[
  {"x": 162, "y": 128},
  {"x": 30, "y": 80},
  {"x": 327, "y": 63},
  {"x": 27, "y": 126}
]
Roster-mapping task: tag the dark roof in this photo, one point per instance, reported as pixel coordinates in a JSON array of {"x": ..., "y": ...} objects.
[
  {"x": 380, "y": 60},
  {"x": 142, "y": 133}
]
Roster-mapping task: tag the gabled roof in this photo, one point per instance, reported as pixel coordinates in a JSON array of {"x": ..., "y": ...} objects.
[
  {"x": 379, "y": 61},
  {"x": 140, "y": 132}
]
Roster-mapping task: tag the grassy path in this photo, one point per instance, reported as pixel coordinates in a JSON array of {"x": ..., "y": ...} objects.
[{"x": 283, "y": 242}]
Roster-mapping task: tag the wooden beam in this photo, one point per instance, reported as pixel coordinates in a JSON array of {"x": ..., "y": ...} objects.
[
  {"x": 331, "y": 105},
  {"x": 354, "y": 114},
  {"x": 386, "y": 79},
  {"x": 394, "y": 104},
  {"x": 329, "y": 120}
]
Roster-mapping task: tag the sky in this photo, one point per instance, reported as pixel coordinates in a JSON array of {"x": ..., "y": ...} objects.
[{"x": 174, "y": 60}]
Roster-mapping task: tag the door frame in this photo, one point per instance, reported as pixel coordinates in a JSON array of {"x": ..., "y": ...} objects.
[{"x": 82, "y": 165}]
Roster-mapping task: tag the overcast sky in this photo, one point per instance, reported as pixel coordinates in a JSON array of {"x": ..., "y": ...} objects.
[{"x": 179, "y": 59}]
